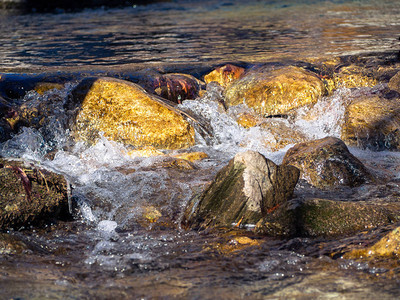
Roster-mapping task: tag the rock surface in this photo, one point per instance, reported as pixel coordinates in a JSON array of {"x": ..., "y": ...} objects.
[
  {"x": 30, "y": 195},
  {"x": 277, "y": 91},
  {"x": 174, "y": 87},
  {"x": 326, "y": 163},
  {"x": 388, "y": 246},
  {"x": 323, "y": 217},
  {"x": 125, "y": 112},
  {"x": 225, "y": 75},
  {"x": 242, "y": 192},
  {"x": 372, "y": 122}
]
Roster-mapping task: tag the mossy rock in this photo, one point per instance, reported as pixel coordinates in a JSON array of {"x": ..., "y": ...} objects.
[
  {"x": 241, "y": 193},
  {"x": 30, "y": 195},
  {"x": 322, "y": 217},
  {"x": 125, "y": 112},
  {"x": 276, "y": 92},
  {"x": 326, "y": 163}
]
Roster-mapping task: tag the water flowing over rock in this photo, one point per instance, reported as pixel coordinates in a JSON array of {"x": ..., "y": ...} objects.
[
  {"x": 242, "y": 192},
  {"x": 224, "y": 75},
  {"x": 174, "y": 87},
  {"x": 276, "y": 92},
  {"x": 125, "y": 112},
  {"x": 29, "y": 194},
  {"x": 326, "y": 163},
  {"x": 372, "y": 122}
]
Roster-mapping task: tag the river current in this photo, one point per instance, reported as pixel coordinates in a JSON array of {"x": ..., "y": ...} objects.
[{"x": 109, "y": 250}]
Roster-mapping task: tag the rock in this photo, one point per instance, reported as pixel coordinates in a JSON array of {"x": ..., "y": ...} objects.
[
  {"x": 388, "y": 246},
  {"x": 372, "y": 122},
  {"x": 353, "y": 76},
  {"x": 191, "y": 156},
  {"x": 282, "y": 134},
  {"x": 30, "y": 195},
  {"x": 126, "y": 113},
  {"x": 5, "y": 130},
  {"x": 326, "y": 163},
  {"x": 394, "y": 82},
  {"x": 42, "y": 87},
  {"x": 241, "y": 193},
  {"x": 224, "y": 75},
  {"x": 9, "y": 244},
  {"x": 174, "y": 87},
  {"x": 323, "y": 217},
  {"x": 145, "y": 152},
  {"x": 276, "y": 92}
]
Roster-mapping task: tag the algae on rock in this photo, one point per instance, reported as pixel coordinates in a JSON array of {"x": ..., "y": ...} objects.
[{"x": 30, "y": 195}]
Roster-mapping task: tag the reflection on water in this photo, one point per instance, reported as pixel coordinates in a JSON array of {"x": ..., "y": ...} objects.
[{"x": 199, "y": 32}]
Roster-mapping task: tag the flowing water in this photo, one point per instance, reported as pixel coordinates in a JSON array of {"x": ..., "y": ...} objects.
[{"x": 110, "y": 250}]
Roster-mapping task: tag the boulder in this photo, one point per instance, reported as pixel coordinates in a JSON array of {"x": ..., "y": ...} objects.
[
  {"x": 276, "y": 92},
  {"x": 323, "y": 217},
  {"x": 125, "y": 112},
  {"x": 30, "y": 195},
  {"x": 326, "y": 163},
  {"x": 174, "y": 87},
  {"x": 388, "y": 246},
  {"x": 241, "y": 193},
  {"x": 372, "y": 122},
  {"x": 224, "y": 75}
]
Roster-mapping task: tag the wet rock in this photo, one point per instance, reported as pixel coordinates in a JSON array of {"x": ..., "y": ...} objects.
[
  {"x": 282, "y": 134},
  {"x": 5, "y": 130},
  {"x": 10, "y": 244},
  {"x": 241, "y": 193},
  {"x": 388, "y": 246},
  {"x": 30, "y": 195},
  {"x": 174, "y": 87},
  {"x": 224, "y": 75},
  {"x": 326, "y": 163},
  {"x": 323, "y": 217},
  {"x": 353, "y": 76},
  {"x": 191, "y": 156},
  {"x": 125, "y": 112},
  {"x": 394, "y": 82},
  {"x": 276, "y": 92},
  {"x": 43, "y": 87},
  {"x": 372, "y": 122}
]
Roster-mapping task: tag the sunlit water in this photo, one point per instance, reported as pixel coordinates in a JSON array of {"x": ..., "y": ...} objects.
[{"x": 109, "y": 251}]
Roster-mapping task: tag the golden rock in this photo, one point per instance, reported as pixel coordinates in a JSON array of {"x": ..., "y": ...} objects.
[
  {"x": 191, "y": 156},
  {"x": 372, "y": 122},
  {"x": 125, "y": 112},
  {"x": 43, "y": 87},
  {"x": 276, "y": 92},
  {"x": 224, "y": 75},
  {"x": 353, "y": 76},
  {"x": 388, "y": 246}
]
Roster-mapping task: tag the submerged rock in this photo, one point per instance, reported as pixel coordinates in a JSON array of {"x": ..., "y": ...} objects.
[
  {"x": 30, "y": 195},
  {"x": 125, "y": 112},
  {"x": 353, "y": 76},
  {"x": 394, "y": 82},
  {"x": 388, "y": 246},
  {"x": 276, "y": 92},
  {"x": 372, "y": 122},
  {"x": 242, "y": 192},
  {"x": 174, "y": 87},
  {"x": 322, "y": 217},
  {"x": 224, "y": 75},
  {"x": 326, "y": 163}
]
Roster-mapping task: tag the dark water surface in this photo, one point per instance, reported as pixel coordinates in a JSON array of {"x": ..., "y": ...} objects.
[
  {"x": 205, "y": 32},
  {"x": 105, "y": 253}
]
